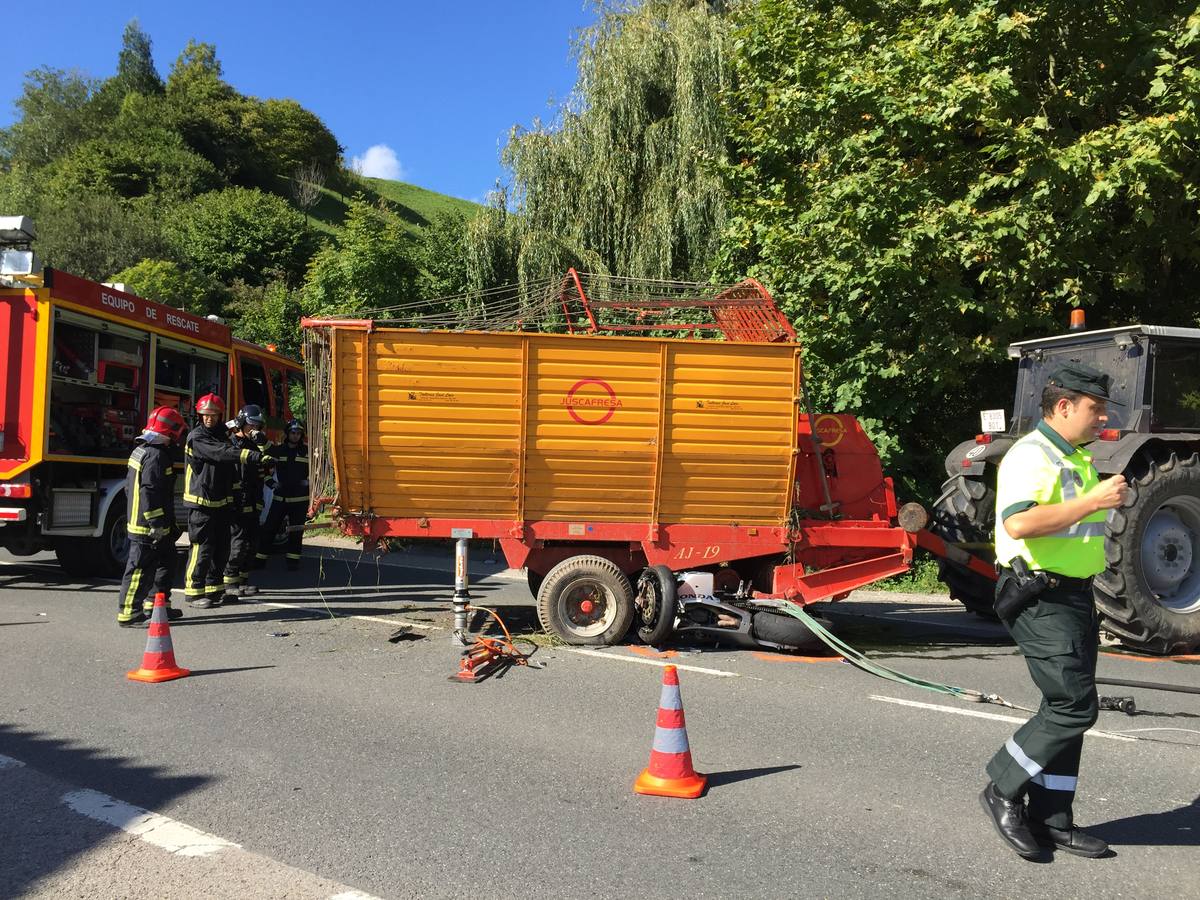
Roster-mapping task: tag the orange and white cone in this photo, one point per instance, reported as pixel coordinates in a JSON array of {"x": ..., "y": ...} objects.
[
  {"x": 670, "y": 773},
  {"x": 158, "y": 662}
]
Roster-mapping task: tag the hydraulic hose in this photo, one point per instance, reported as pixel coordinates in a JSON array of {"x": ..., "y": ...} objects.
[{"x": 1150, "y": 685}]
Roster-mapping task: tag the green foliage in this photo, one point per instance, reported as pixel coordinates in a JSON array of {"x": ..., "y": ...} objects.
[
  {"x": 167, "y": 282},
  {"x": 624, "y": 180},
  {"x": 922, "y": 183},
  {"x": 440, "y": 256},
  {"x": 290, "y": 136},
  {"x": 241, "y": 233},
  {"x": 373, "y": 265},
  {"x": 135, "y": 65},
  {"x": 133, "y": 167},
  {"x": 94, "y": 235},
  {"x": 57, "y": 110},
  {"x": 922, "y": 578},
  {"x": 267, "y": 314}
]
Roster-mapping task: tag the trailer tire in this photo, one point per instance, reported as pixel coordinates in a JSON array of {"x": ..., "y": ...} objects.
[
  {"x": 785, "y": 630},
  {"x": 586, "y": 600},
  {"x": 1149, "y": 592},
  {"x": 104, "y": 556},
  {"x": 965, "y": 513},
  {"x": 656, "y": 604}
]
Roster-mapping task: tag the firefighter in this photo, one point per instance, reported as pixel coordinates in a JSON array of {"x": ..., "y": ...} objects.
[
  {"x": 150, "y": 495},
  {"x": 246, "y": 434},
  {"x": 1052, "y": 507},
  {"x": 290, "y": 497},
  {"x": 210, "y": 463}
]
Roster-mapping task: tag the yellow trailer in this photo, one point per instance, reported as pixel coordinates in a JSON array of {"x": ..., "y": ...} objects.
[{"x": 596, "y": 458}]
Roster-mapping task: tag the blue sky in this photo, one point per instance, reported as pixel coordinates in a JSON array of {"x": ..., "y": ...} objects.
[{"x": 437, "y": 85}]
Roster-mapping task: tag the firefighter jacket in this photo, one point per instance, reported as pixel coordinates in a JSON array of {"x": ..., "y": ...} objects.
[
  {"x": 248, "y": 476},
  {"x": 150, "y": 490},
  {"x": 291, "y": 471},
  {"x": 209, "y": 467}
]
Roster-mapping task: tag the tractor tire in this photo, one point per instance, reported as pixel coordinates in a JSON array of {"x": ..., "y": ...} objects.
[
  {"x": 586, "y": 600},
  {"x": 787, "y": 631},
  {"x": 656, "y": 605},
  {"x": 104, "y": 556},
  {"x": 965, "y": 513},
  {"x": 1149, "y": 593}
]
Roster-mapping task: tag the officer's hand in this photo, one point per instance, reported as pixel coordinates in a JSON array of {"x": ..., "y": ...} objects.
[
  {"x": 157, "y": 534},
  {"x": 1110, "y": 493}
]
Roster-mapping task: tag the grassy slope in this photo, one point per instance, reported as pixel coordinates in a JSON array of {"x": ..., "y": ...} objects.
[{"x": 416, "y": 206}]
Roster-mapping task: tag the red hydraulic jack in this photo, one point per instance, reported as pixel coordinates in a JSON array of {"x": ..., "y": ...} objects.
[{"x": 489, "y": 656}]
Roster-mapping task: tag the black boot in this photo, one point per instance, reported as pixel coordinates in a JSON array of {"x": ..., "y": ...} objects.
[
  {"x": 1009, "y": 818},
  {"x": 1070, "y": 839}
]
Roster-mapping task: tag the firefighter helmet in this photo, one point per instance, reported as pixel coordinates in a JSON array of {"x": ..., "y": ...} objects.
[
  {"x": 295, "y": 425},
  {"x": 251, "y": 415},
  {"x": 167, "y": 421},
  {"x": 210, "y": 403}
]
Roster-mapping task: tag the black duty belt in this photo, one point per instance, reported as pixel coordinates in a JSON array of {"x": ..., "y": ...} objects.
[{"x": 1066, "y": 581}]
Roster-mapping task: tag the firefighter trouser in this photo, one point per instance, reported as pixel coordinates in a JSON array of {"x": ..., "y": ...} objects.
[
  {"x": 243, "y": 542},
  {"x": 1059, "y": 637},
  {"x": 209, "y": 532},
  {"x": 150, "y": 564},
  {"x": 296, "y": 512}
]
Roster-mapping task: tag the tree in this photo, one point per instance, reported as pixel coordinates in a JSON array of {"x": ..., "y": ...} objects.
[
  {"x": 625, "y": 178},
  {"x": 372, "y": 266},
  {"x": 168, "y": 282},
  {"x": 55, "y": 113},
  {"x": 307, "y": 181},
  {"x": 241, "y": 233},
  {"x": 290, "y": 136},
  {"x": 267, "y": 314},
  {"x": 441, "y": 257},
  {"x": 94, "y": 235},
  {"x": 920, "y": 184},
  {"x": 135, "y": 64}
]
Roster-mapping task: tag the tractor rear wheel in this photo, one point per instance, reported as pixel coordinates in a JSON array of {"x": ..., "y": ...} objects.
[
  {"x": 1149, "y": 593},
  {"x": 965, "y": 513},
  {"x": 586, "y": 600}
]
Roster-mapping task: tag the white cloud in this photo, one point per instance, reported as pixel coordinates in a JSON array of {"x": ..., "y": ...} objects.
[{"x": 379, "y": 162}]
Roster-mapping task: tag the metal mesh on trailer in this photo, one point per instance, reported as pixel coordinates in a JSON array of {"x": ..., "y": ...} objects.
[{"x": 318, "y": 368}]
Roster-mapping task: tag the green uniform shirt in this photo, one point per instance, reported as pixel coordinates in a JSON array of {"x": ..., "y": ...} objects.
[{"x": 1042, "y": 468}]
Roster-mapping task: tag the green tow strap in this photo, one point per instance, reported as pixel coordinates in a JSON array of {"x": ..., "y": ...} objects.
[{"x": 858, "y": 660}]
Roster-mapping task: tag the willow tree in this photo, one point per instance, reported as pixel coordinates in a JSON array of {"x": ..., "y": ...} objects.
[{"x": 625, "y": 178}]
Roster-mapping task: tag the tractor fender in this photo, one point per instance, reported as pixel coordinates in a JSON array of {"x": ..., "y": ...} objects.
[
  {"x": 1113, "y": 457},
  {"x": 971, "y": 458}
]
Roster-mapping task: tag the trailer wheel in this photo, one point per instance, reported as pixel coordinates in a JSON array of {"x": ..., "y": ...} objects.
[
  {"x": 655, "y": 604},
  {"x": 104, "y": 556},
  {"x": 586, "y": 600},
  {"x": 965, "y": 513},
  {"x": 1149, "y": 593}
]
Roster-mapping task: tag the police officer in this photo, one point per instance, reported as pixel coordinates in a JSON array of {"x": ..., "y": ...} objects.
[
  {"x": 1051, "y": 508},
  {"x": 209, "y": 470},
  {"x": 247, "y": 434},
  {"x": 291, "y": 494},
  {"x": 150, "y": 496}
]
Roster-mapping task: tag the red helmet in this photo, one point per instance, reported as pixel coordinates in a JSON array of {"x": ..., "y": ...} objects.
[
  {"x": 166, "y": 420},
  {"x": 210, "y": 403}
]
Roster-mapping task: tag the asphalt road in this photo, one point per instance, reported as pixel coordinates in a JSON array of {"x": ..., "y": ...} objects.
[{"x": 308, "y": 756}]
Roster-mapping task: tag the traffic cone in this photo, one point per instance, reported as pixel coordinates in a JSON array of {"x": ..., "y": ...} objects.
[
  {"x": 670, "y": 773},
  {"x": 158, "y": 662}
]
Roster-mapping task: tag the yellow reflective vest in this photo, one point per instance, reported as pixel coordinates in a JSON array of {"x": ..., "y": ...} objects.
[{"x": 1043, "y": 468}]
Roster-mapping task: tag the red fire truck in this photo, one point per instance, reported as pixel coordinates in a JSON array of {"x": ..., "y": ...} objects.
[{"x": 86, "y": 363}]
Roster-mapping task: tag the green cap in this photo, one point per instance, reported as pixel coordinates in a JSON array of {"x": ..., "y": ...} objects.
[{"x": 1082, "y": 379}]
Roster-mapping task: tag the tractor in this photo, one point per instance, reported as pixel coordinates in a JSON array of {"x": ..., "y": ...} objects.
[{"x": 1148, "y": 595}]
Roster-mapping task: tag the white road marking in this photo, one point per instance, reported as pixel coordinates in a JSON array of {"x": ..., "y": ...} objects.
[
  {"x": 163, "y": 832},
  {"x": 340, "y": 616},
  {"x": 980, "y": 714},
  {"x": 7, "y": 762},
  {"x": 653, "y": 662},
  {"x": 353, "y": 895}
]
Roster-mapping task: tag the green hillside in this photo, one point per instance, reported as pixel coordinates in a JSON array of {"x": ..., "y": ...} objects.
[{"x": 415, "y": 206}]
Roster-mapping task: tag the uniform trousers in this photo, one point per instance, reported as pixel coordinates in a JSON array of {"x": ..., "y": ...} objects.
[
  {"x": 296, "y": 512},
  {"x": 243, "y": 543},
  {"x": 1059, "y": 637},
  {"x": 150, "y": 564},
  {"x": 209, "y": 531}
]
